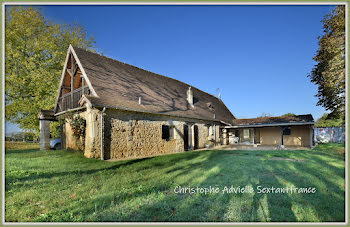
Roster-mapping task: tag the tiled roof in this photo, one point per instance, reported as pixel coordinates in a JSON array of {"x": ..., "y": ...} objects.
[
  {"x": 273, "y": 120},
  {"x": 46, "y": 115},
  {"x": 118, "y": 84}
]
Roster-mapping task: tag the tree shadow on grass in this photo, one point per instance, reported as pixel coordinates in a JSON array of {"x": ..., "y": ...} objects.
[
  {"x": 25, "y": 181},
  {"x": 166, "y": 205},
  {"x": 329, "y": 200},
  {"x": 278, "y": 207},
  {"x": 203, "y": 169},
  {"x": 144, "y": 163}
]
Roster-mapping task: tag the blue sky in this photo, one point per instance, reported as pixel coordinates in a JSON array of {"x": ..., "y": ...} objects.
[{"x": 258, "y": 56}]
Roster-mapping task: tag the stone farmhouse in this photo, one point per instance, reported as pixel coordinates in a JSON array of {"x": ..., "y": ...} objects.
[{"x": 128, "y": 112}]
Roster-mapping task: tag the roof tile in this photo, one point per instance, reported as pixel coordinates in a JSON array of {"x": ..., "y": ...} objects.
[
  {"x": 274, "y": 120},
  {"x": 120, "y": 85}
]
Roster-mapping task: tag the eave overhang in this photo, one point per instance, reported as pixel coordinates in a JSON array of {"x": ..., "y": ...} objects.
[{"x": 271, "y": 125}]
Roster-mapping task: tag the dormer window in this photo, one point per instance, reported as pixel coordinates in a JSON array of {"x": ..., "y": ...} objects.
[{"x": 210, "y": 106}]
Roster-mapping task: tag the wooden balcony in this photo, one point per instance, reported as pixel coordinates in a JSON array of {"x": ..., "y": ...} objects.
[{"x": 71, "y": 99}]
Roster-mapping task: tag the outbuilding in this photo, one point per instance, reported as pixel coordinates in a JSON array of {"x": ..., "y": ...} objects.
[{"x": 292, "y": 131}]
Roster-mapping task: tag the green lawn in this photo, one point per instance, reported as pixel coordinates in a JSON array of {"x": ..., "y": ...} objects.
[
  {"x": 21, "y": 145},
  {"x": 63, "y": 186}
]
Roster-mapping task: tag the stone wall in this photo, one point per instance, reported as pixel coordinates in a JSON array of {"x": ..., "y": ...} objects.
[
  {"x": 91, "y": 143},
  {"x": 129, "y": 134},
  {"x": 135, "y": 138},
  {"x": 69, "y": 140},
  {"x": 133, "y": 134},
  {"x": 92, "y": 147},
  {"x": 44, "y": 134}
]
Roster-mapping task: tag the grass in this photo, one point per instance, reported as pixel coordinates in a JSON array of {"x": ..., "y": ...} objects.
[
  {"x": 21, "y": 145},
  {"x": 64, "y": 186}
]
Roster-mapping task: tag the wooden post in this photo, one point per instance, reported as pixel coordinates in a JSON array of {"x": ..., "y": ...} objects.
[
  {"x": 74, "y": 68},
  {"x": 83, "y": 85},
  {"x": 282, "y": 136},
  {"x": 255, "y": 143},
  {"x": 72, "y": 62},
  {"x": 71, "y": 90}
]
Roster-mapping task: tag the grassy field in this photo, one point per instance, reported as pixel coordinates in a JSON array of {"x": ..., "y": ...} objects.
[
  {"x": 63, "y": 186},
  {"x": 21, "y": 145}
]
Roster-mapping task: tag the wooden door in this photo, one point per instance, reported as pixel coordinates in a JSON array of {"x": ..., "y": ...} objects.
[
  {"x": 196, "y": 137},
  {"x": 186, "y": 137}
]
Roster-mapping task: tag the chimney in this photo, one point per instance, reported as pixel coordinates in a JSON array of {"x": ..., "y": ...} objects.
[
  {"x": 190, "y": 96},
  {"x": 139, "y": 100}
]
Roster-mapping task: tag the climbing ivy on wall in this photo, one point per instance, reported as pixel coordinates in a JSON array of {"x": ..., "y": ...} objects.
[{"x": 77, "y": 123}]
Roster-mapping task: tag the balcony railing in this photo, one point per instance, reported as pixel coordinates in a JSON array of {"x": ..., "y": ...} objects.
[{"x": 66, "y": 101}]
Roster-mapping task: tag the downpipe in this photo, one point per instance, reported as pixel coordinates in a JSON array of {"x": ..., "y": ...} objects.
[{"x": 101, "y": 127}]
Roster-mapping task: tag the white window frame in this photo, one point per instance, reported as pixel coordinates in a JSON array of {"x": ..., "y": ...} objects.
[
  {"x": 172, "y": 132},
  {"x": 211, "y": 130},
  {"x": 246, "y": 133}
]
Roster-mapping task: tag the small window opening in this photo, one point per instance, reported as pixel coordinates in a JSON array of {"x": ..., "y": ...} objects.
[
  {"x": 286, "y": 132},
  {"x": 165, "y": 132}
]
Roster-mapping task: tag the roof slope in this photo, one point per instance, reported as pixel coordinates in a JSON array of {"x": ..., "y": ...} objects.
[
  {"x": 274, "y": 120},
  {"x": 120, "y": 85}
]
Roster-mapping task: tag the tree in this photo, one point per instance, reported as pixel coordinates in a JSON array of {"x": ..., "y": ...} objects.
[
  {"x": 288, "y": 115},
  {"x": 265, "y": 115},
  {"x": 326, "y": 121},
  {"x": 35, "y": 50},
  {"x": 329, "y": 72}
]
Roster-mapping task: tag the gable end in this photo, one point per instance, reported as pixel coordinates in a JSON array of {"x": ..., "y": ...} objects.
[{"x": 73, "y": 85}]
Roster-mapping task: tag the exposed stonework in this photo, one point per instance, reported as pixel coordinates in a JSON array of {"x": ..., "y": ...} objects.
[
  {"x": 92, "y": 134},
  {"x": 44, "y": 117},
  {"x": 70, "y": 140},
  {"x": 136, "y": 138},
  {"x": 91, "y": 140},
  {"x": 130, "y": 134},
  {"x": 44, "y": 135}
]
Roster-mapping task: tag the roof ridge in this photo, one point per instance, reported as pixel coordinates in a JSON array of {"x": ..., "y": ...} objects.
[
  {"x": 273, "y": 117},
  {"x": 75, "y": 47}
]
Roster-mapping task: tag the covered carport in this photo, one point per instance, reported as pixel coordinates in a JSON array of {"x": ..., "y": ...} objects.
[{"x": 293, "y": 131}]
